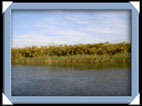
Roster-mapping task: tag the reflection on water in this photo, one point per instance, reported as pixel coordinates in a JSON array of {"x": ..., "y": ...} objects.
[{"x": 70, "y": 81}]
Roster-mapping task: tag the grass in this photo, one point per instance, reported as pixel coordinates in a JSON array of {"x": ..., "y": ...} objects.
[{"x": 118, "y": 58}]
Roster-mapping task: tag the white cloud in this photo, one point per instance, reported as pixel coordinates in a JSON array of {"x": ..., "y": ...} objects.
[
  {"x": 73, "y": 27},
  {"x": 38, "y": 40},
  {"x": 109, "y": 30},
  {"x": 70, "y": 35},
  {"x": 62, "y": 37}
]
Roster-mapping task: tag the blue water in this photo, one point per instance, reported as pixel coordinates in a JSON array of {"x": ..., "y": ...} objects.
[{"x": 70, "y": 81}]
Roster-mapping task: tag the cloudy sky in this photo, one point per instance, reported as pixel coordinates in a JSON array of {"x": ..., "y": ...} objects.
[{"x": 69, "y": 27}]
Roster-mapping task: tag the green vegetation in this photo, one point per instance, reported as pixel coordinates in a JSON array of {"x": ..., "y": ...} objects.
[{"x": 81, "y": 53}]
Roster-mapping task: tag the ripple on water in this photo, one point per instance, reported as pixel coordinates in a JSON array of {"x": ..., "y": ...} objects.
[{"x": 57, "y": 81}]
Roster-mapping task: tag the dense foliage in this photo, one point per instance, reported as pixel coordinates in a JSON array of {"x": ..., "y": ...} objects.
[
  {"x": 67, "y": 50},
  {"x": 81, "y": 53}
]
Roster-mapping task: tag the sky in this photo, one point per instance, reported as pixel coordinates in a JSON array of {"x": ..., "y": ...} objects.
[{"x": 55, "y": 27}]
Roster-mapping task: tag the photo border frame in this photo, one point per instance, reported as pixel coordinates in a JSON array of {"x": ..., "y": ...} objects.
[{"x": 71, "y": 99}]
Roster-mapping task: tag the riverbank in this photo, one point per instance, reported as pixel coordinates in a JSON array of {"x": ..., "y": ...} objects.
[{"x": 48, "y": 60}]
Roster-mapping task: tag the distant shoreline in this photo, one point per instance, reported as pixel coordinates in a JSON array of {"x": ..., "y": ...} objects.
[{"x": 87, "y": 53}]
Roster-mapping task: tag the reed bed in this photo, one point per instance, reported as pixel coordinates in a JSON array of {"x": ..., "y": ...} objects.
[
  {"x": 117, "y": 58},
  {"x": 81, "y": 53}
]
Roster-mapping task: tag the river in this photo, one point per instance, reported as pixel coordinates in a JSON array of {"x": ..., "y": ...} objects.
[{"x": 70, "y": 81}]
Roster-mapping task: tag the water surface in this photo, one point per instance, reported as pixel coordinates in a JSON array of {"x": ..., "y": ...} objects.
[{"x": 70, "y": 81}]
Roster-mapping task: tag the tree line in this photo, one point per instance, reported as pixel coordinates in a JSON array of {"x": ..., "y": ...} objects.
[{"x": 66, "y": 50}]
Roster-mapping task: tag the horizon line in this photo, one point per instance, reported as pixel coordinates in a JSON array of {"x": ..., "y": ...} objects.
[{"x": 52, "y": 44}]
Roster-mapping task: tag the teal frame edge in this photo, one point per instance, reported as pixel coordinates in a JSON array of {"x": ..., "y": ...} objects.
[{"x": 71, "y": 99}]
